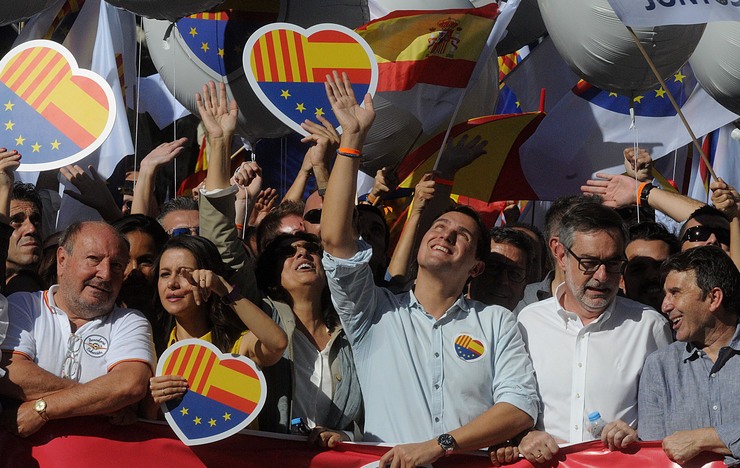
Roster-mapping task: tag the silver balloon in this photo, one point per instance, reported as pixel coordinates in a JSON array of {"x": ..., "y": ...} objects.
[
  {"x": 525, "y": 27},
  {"x": 716, "y": 63},
  {"x": 599, "y": 48},
  {"x": 14, "y": 11},
  {"x": 165, "y": 9}
]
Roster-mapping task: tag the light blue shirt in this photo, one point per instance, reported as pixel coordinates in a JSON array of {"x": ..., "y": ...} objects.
[
  {"x": 422, "y": 377},
  {"x": 681, "y": 389}
]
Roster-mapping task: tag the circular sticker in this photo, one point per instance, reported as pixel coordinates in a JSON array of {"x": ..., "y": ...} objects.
[{"x": 96, "y": 345}]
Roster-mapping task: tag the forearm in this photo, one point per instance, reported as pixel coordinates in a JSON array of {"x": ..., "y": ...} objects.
[
  {"x": 339, "y": 200},
  {"x": 321, "y": 173},
  {"x": 501, "y": 422},
  {"x": 675, "y": 205},
  {"x": 295, "y": 192},
  {"x": 143, "y": 202},
  {"x": 26, "y": 381},
  {"x": 5, "y": 205},
  {"x": 401, "y": 259},
  {"x": 125, "y": 384},
  {"x": 735, "y": 241},
  {"x": 219, "y": 167},
  {"x": 269, "y": 341}
]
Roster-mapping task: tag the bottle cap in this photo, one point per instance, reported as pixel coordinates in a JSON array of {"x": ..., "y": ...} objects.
[{"x": 594, "y": 416}]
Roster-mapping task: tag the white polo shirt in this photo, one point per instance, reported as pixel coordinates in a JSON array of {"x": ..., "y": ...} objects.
[
  {"x": 41, "y": 331},
  {"x": 596, "y": 367}
]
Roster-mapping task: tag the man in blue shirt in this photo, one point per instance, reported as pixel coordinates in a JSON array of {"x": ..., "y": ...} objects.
[
  {"x": 438, "y": 372},
  {"x": 689, "y": 390}
]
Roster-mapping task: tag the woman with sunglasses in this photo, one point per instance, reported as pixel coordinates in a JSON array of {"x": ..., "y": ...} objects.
[
  {"x": 315, "y": 384},
  {"x": 195, "y": 301}
]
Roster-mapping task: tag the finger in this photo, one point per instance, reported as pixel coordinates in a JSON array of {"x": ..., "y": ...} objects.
[
  {"x": 222, "y": 96},
  {"x": 94, "y": 173},
  {"x": 213, "y": 95},
  {"x": 74, "y": 195}
]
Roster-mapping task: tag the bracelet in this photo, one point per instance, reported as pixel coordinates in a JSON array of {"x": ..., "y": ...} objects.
[
  {"x": 441, "y": 181},
  {"x": 232, "y": 297},
  {"x": 372, "y": 198},
  {"x": 356, "y": 152},
  {"x": 354, "y": 155},
  {"x": 643, "y": 192},
  {"x": 240, "y": 227}
]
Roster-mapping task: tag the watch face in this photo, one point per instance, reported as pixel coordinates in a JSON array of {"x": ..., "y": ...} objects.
[
  {"x": 40, "y": 405},
  {"x": 446, "y": 441}
]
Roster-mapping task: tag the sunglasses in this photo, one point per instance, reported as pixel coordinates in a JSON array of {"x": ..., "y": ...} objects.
[
  {"x": 313, "y": 216},
  {"x": 185, "y": 231},
  {"x": 289, "y": 250},
  {"x": 513, "y": 272},
  {"x": 702, "y": 233}
]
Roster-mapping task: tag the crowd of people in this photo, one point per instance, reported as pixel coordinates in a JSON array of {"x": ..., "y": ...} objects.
[{"x": 453, "y": 337}]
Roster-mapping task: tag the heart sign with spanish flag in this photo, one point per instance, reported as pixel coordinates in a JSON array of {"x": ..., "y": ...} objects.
[
  {"x": 51, "y": 111},
  {"x": 287, "y": 65},
  {"x": 225, "y": 391}
]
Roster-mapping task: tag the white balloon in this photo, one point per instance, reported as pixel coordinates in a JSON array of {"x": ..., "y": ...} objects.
[
  {"x": 525, "y": 27},
  {"x": 600, "y": 49},
  {"x": 14, "y": 11},
  {"x": 165, "y": 9},
  {"x": 716, "y": 63}
]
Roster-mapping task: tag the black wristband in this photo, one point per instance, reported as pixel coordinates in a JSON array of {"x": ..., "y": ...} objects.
[
  {"x": 232, "y": 297},
  {"x": 644, "y": 193}
]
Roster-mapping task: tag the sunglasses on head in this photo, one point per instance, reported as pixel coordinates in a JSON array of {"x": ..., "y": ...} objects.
[
  {"x": 289, "y": 250},
  {"x": 185, "y": 231},
  {"x": 702, "y": 233},
  {"x": 313, "y": 216}
]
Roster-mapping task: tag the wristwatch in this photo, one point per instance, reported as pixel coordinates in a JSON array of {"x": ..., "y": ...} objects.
[
  {"x": 447, "y": 442},
  {"x": 40, "y": 407}
]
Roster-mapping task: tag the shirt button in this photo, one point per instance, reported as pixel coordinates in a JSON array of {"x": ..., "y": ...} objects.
[
  {"x": 712, "y": 374},
  {"x": 576, "y": 427},
  {"x": 436, "y": 419},
  {"x": 578, "y": 395},
  {"x": 715, "y": 407},
  {"x": 436, "y": 386},
  {"x": 338, "y": 377},
  {"x": 436, "y": 354},
  {"x": 435, "y": 326},
  {"x": 580, "y": 364}
]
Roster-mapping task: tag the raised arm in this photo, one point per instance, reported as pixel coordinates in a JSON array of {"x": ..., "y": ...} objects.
[
  {"x": 324, "y": 141},
  {"x": 336, "y": 217},
  {"x": 93, "y": 191},
  {"x": 402, "y": 255},
  {"x": 219, "y": 118},
  {"x": 725, "y": 198},
  {"x": 619, "y": 191},
  {"x": 160, "y": 156}
]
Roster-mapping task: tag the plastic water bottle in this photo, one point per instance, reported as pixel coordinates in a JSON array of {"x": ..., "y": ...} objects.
[{"x": 595, "y": 424}]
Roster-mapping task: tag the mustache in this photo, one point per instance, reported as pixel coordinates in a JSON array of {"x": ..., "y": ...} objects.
[{"x": 103, "y": 285}]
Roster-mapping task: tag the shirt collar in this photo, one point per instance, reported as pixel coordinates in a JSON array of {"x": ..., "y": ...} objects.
[
  {"x": 691, "y": 351},
  {"x": 567, "y": 315},
  {"x": 461, "y": 303},
  {"x": 49, "y": 299}
]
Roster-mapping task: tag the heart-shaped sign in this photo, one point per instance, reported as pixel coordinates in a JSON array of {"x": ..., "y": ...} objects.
[
  {"x": 225, "y": 391},
  {"x": 287, "y": 65},
  {"x": 52, "y": 112}
]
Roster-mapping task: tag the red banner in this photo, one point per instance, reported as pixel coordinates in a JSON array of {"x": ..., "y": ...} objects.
[{"x": 93, "y": 441}]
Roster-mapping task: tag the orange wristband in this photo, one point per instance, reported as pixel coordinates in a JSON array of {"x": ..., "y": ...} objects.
[
  {"x": 349, "y": 151},
  {"x": 639, "y": 193}
]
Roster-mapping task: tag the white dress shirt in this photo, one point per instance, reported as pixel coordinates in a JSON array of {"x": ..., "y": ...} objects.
[{"x": 596, "y": 367}]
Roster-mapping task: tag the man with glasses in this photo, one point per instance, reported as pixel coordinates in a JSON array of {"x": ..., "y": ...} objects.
[
  {"x": 179, "y": 216},
  {"x": 69, "y": 351},
  {"x": 587, "y": 345},
  {"x": 507, "y": 268}
]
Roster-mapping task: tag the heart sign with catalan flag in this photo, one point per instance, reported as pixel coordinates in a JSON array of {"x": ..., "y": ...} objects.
[
  {"x": 51, "y": 111},
  {"x": 287, "y": 65},
  {"x": 225, "y": 391}
]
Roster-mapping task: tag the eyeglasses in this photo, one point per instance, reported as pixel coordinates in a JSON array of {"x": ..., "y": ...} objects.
[
  {"x": 71, "y": 366},
  {"x": 702, "y": 233},
  {"x": 590, "y": 265},
  {"x": 185, "y": 231},
  {"x": 313, "y": 216},
  {"x": 513, "y": 272},
  {"x": 312, "y": 248}
]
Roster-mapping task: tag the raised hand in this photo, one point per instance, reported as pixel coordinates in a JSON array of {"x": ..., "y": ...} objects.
[
  {"x": 353, "y": 118},
  {"x": 725, "y": 198},
  {"x": 218, "y": 115},
  {"x": 203, "y": 283},
  {"x": 324, "y": 139},
  {"x": 642, "y": 165},
  {"x": 423, "y": 192},
  {"x": 93, "y": 190},
  {"x": 460, "y": 154},
  {"x": 248, "y": 175},
  {"x": 163, "y": 154},
  {"x": 9, "y": 162}
]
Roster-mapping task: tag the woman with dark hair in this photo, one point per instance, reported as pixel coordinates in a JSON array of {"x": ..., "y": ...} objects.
[
  {"x": 146, "y": 238},
  {"x": 195, "y": 301},
  {"x": 314, "y": 386}
]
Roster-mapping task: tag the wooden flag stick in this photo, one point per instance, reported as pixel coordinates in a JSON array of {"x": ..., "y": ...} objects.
[{"x": 674, "y": 103}]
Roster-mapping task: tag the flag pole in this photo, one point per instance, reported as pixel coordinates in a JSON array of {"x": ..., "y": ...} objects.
[{"x": 674, "y": 103}]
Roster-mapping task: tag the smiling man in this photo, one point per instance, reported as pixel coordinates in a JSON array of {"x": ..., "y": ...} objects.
[
  {"x": 439, "y": 372},
  {"x": 69, "y": 351},
  {"x": 689, "y": 390},
  {"x": 587, "y": 345}
]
